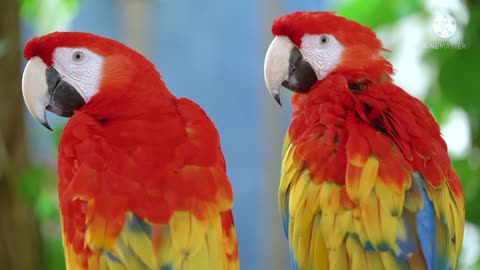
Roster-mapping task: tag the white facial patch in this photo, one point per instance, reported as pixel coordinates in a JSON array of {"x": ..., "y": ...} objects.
[
  {"x": 322, "y": 52},
  {"x": 79, "y": 67}
]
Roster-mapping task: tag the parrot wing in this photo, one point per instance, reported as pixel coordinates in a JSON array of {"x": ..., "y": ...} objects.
[
  {"x": 383, "y": 213},
  {"x": 166, "y": 204}
]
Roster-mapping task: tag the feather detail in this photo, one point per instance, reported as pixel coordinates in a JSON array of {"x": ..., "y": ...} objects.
[
  {"x": 349, "y": 190},
  {"x": 132, "y": 202}
]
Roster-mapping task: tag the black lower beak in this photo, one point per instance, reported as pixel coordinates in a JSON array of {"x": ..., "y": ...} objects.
[
  {"x": 64, "y": 98},
  {"x": 301, "y": 76}
]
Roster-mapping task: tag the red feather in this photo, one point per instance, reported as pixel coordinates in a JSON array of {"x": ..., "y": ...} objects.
[{"x": 134, "y": 148}]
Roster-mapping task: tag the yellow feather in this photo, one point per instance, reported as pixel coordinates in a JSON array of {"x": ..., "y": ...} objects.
[
  {"x": 139, "y": 243},
  {"x": 329, "y": 198},
  {"x": 413, "y": 198},
  {"x": 297, "y": 191},
  {"x": 381, "y": 226},
  {"x": 334, "y": 228},
  {"x": 287, "y": 142},
  {"x": 373, "y": 260},
  {"x": 98, "y": 235},
  {"x": 318, "y": 253},
  {"x": 439, "y": 197},
  {"x": 359, "y": 189},
  {"x": 371, "y": 220},
  {"x": 311, "y": 198},
  {"x": 458, "y": 226},
  {"x": 164, "y": 252},
  {"x": 290, "y": 170},
  {"x": 187, "y": 232},
  {"x": 339, "y": 258},
  {"x": 301, "y": 246},
  {"x": 73, "y": 261},
  {"x": 391, "y": 198},
  {"x": 358, "y": 227},
  {"x": 213, "y": 244},
  {"x": 357, "y": 160},
  {"x": 356, "y": 254}
]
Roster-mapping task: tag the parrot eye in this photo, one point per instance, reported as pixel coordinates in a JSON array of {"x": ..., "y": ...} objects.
[
  {"x": 323, "y": 40},
  {"x": 78, "y": 56}
]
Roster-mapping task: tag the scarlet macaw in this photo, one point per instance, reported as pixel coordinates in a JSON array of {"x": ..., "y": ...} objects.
[
  {"x": 366, "y": 180},
  {"x": 142, "y": 178}
]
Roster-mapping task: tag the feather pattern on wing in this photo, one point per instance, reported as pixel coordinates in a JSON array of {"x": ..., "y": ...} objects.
[
  {"x": 367, "y": 183},
  {"x": 150, "y": 192}
]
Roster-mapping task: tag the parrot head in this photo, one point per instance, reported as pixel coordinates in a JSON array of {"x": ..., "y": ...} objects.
[
  {"x": 65, "y": 70},
  {"x": 309, "y": 46}
]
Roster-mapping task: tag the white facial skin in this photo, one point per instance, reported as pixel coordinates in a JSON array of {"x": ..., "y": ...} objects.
[
  {"x": 79, "y": 67},
  {"x": 322, "y": 52}
]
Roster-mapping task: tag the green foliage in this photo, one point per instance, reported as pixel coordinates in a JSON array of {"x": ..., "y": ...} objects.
[
  {"x": 49, "y": 16},
  {"x": 374, "y": 13},
  {"x": 33, "y": 187},
  {"x": 469, "y": 175},
  {"x": 458, "y": 70},
  {"x": 46, "y": 207},
  {"x": 30, "y": 183},
  {"x": 37, "y": 184},
  {"x": 52, "y": 253},
  {"x": 37, "y": 187}
]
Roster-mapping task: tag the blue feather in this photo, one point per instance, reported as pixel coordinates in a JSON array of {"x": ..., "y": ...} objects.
[
  {"x": 137, "y": 225},
  {"x": 112, "y": 257},
  {"x": 166, "y": 267},
  {"x": 293, "y": 262},
  {"x": 407, "y": 246},
  {"x": 426, "y": 227}
]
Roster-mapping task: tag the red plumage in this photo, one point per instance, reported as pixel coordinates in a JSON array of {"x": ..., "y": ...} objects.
[
  {"x": 366, "y": 180},
  {"x": 136, "y": 148}
]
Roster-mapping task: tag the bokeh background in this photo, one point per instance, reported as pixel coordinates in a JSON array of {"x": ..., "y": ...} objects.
[{"x": 212, "y": 51}]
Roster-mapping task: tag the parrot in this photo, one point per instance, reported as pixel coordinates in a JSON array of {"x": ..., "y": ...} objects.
[
  {"x": 366, "y": 180},
  {"x": 142, "y": 180}
]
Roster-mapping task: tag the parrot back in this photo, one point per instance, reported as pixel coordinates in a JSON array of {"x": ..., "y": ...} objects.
[
  {"x": 146, "y": 193},
  {"x": 372, "y": 191}
]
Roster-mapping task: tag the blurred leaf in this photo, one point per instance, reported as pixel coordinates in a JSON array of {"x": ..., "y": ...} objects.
[
  {"x": 439, "y": 105},
  {"x": 388, "y": 11},
  {"x": 458, "y": 71},
  {"x": 53, "y": 255},
  {"x": 49, "y": 15},
  {"x": 471, "y": 185},
  {"x": 30, "y": 182},
  {"x": 46, "y": 207}
]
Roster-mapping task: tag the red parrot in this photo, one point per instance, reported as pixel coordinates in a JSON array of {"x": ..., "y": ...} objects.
[
  {"x": 366, "y": 179},
  {"x": 142, "y": 178}
]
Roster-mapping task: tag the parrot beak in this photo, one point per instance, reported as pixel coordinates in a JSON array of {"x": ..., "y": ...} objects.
[
  {"x": 284, "y": 66},
  {"x": 43, "y": 89}
]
